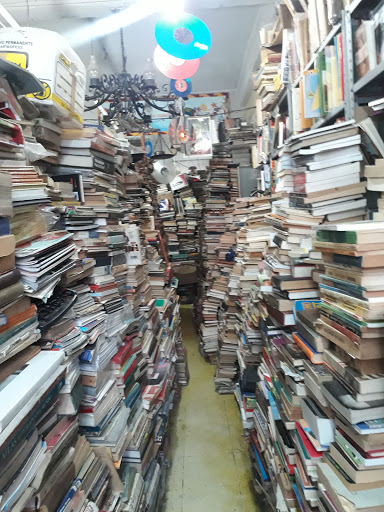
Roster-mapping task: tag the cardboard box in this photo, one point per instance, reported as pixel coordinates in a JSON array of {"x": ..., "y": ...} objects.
[{"x": 49, "y": 57}]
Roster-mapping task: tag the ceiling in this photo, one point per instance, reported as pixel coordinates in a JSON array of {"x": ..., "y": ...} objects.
[{"x": 234, "y": 25}]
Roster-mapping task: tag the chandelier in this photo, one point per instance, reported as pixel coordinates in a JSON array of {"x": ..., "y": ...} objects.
[{"x": 130, "y": 99}]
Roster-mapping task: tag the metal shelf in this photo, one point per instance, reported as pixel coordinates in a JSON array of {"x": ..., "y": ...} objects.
[
  {"x": 326, "y": 41},
  {"x": 371, "y": 83},
  {"x": 361, "y": 8},
  {"x": 331, "y": 116},
  {"x": 279, "y": 98}
]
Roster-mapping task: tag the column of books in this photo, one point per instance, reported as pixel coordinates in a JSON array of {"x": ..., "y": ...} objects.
[
  {"x": 181, "y": 214},
  {"x": 215, "y": 244},
  {"x": 319, "y": 388},
  {"x": 88, "y": 349},
  {"x": 250, "y": 238}
]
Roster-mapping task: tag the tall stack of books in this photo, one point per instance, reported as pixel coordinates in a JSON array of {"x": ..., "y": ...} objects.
[
  {"x": 216, "y": 222},
  {"x": 76, "y": 361},
  {"x": 311, "y": 298},
  {"x": 242, "y": 137},
  {"x": 351, "y": 314},
  {"x": 326, "y": 172},
  {"x": 181, "y": 213},
  {"x": 252, "y": 237},
  {"x": 374, "y": 175}
]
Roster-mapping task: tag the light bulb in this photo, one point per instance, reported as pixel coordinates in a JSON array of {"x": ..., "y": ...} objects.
[
  {"x": 149, "y": 74},
  {"x": 147, "y": 110},
  {"x": 93, "y": 70}
]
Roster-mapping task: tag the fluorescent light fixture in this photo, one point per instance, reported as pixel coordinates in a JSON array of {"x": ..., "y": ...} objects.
[{"x": 140, "y": 10}]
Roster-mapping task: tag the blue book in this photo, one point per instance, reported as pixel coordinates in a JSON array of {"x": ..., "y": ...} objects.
[
  {"x": 311, "y": 94},
  {"x": 5, "y": 228}
]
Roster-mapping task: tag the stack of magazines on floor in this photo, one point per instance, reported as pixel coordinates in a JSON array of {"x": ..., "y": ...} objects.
[{"x": 89, "y": 367}]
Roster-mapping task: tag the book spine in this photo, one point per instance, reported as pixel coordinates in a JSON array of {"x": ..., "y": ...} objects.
[
  {"x": 305, "y": 348},
  {"x": 341, "y": 56}
]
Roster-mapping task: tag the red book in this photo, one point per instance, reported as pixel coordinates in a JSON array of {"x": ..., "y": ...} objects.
[
  {"x": 124, "y": 352},
  {"x": 312, "y": 452}
]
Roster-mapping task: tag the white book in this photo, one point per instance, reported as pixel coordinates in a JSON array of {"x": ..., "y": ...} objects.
[
  {"x": 17, "y": 390},
  {"x": 324, "y": 129},
  {"x": 341, "y": 170},
  {"x": 335, "y": 160},
  {"x": 335, "y": 144},
  {"x": 340, "y": 207},
  {"x": 329, "y": 184},
  {"x": 364, "y": 225},
  {"x": 346, "y": 214}
]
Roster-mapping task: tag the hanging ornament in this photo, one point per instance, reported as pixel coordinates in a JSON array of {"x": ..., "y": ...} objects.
[
  {"x": 148, "y": 148},
  {"x": 173, "y": 67},
  {"x": 164, "y": 171},
  {"x": 181, "y": 87},
  {"x": 186, "y": 38}
]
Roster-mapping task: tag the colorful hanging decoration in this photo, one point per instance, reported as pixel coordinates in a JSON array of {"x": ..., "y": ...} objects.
[
  {"x": 181, "y": 44},
  {"x": 173, "y": 67},
  {"x": 181, "y": 87},
  {"x": 187, "y": 37}
]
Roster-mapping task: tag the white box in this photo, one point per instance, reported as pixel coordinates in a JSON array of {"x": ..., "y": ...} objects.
[{"x": 49, "y": 57}]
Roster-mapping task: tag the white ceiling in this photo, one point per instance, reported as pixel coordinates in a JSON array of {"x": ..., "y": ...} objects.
[{"x": 234, "y": 25}]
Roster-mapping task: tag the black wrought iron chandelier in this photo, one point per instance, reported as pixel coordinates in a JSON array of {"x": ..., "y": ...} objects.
[{"x": 130, "y": 99}]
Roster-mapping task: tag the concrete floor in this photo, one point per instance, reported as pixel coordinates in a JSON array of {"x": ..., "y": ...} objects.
[{"x": 210, "y": 469}]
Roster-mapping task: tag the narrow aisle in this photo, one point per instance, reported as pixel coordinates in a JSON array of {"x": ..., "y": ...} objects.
[{"x": 210, "y": 469}]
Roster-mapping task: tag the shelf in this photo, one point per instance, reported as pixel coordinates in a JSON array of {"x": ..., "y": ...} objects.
[
  {"x": 313, "y": 60},
  {"x": 372, "y": 83},
  {"x": 279, "y": 98},
  {"x": 361, "y": 8},
  {"x": 331, "y": 116}
]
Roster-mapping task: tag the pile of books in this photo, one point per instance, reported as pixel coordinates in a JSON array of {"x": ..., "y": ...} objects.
[
  {"x": 374, "y": 175},
  {"x": 90, "y": 336},
  {"x": 180, "y": 213},
  {"x": 242, "y": 138},
  {"x": 310, "y": 384},
  {"x": 251, "y": 241},
  {"x": 326, "y": 172}
]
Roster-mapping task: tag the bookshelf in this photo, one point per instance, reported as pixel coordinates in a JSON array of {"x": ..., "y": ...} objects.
[
  {"x": 327, "y": 178},
  {"x": 355, "y": 91},
  {"x": 334, "y": 31},
  {"x": 330, "y": 117},
  {"x": 371, "y": 84}
]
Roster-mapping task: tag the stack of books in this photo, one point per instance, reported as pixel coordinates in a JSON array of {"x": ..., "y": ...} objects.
[
  {"x": 252, "y": 239},
  {"x": 351, "y": 314},
  {"x": 326, "y": 172},
  {"x": 242, "y": 139},
  {"x": 374, "y": 175},
  {"x": 19, "y": 328}
]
